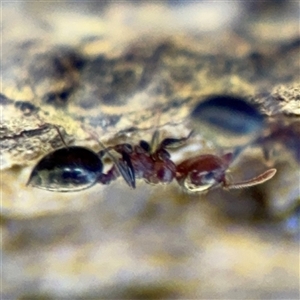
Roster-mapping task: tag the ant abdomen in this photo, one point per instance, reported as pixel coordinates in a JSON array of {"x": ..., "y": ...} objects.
[{"x": 67, "y": 169}]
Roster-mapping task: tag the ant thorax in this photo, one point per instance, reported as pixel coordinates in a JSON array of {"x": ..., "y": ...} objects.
[
  {"x": 151, "y": 161},
  {"x": 203, "y": 172}
]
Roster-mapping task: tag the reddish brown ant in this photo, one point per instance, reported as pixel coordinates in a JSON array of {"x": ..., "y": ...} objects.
[{"x": 76, "y": 168}]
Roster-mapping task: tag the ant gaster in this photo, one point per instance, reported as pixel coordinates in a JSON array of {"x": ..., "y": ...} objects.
[{"x": 76, "y": 168}]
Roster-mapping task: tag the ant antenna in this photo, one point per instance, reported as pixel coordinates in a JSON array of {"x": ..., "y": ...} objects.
[
  {"x": 60, "y": 135},
  {"x": 154, "y": 141},
  {"x": 190, "y": 134},
  {"x": 56, "y": 128},
  {"x": 265, "y": 176},
  {"x": 155, "y": 137}
]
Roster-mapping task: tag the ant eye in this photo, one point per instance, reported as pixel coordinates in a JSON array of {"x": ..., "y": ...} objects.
[
  {"x": 67, "y": 169},
  {"x": 230, "y": 121}
]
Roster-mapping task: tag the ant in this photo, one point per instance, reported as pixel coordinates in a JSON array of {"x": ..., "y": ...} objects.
[{"x": 76, "y": 168}]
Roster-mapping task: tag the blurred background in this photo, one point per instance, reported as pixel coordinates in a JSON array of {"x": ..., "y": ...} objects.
[{"x": 109, "y": 68}]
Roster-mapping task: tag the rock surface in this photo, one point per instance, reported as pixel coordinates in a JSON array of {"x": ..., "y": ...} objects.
[{"x": 116, "y": 72}]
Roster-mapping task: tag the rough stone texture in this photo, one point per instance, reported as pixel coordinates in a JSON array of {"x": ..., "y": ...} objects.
[{"x": 116, "y": 72}]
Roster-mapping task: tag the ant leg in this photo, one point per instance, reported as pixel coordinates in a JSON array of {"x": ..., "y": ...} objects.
[
  {"x": 107, "y": 178},
  {"x": 126, "y": 169},
  {"x": 154, "y": 144},
  {"x": 56, "y": 127},
  {"x": 174, "y": 143},
  {"x": 263, "y": 177},
  {"x": 124, "y": 165},
  {"x": 154, "y": 141},
  {"x": 60, "y": 135}
]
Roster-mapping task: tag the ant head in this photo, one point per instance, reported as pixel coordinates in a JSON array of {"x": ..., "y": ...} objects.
[
  {"x": 66, "y": 170},
  {"x": 203, "y": 172}
]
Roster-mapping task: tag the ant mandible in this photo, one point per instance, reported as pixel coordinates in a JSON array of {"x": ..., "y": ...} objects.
[{"x": 76, "y": 168}]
